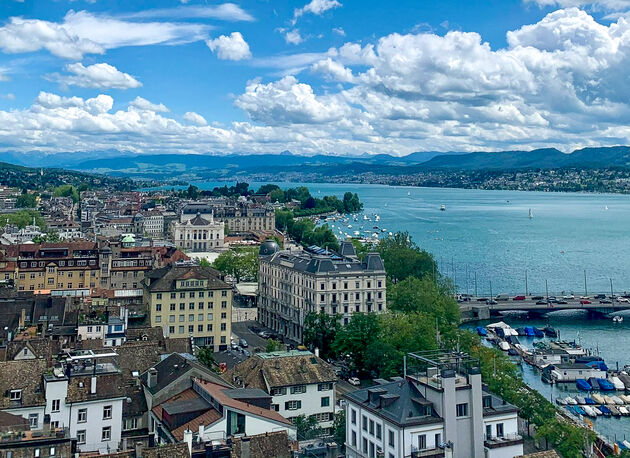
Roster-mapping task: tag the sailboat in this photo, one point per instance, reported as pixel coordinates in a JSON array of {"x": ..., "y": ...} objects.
[
  {"x": 606, "y": 207},
  {"x": 531, "y": 215}
]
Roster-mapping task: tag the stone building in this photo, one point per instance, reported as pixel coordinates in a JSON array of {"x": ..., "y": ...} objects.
[{"x": 199, "y": 234}]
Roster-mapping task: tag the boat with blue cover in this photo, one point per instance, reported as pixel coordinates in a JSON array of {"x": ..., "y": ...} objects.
[
  {"x": 538, "y": 333},
  {"x": 583, "y": 385},
  {"x": 605, "y": 410},
  {"x": 529, "y": 331},
  {"x": 594, "y": 383},
  {"x": 589, "y": 401},
  {"x": 482, "y": 331},
  {"x": 605, "y": 385}
]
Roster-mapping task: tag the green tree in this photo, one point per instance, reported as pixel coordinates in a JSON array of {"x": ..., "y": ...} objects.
[
  {"x": 23, "y": 218},
  {"x": 307, "y": 427},
  {"x": 403, "y": 258},
  {"x": 273, "y": 345},
  {"x": 26, "y": 201},
  {"x": 267, "y": 188},
  {"x": 339, "y": 429},
  {"x": 67, "y": 190},
  {"x": 203, "y": 262},
  {"x": 192, "y": 192},
  {"x": 320, "y": 331},
  {"x": 242, "y": 264},
  {"x": 425, "y": 296},
  {"x": 277, "y": 195},
  {"x": 205, "y": 357},
  {"x": 353, "y": 342},
  {"x": 284, "y": 219},
  {"x": 351, "y": 203}
]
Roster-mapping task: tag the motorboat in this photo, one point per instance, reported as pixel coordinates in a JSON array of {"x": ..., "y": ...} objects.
[
  {"x": 617, "y": 319},
  {"x": 583, "y": 385},
  {"x": 598, "y": 398},
  {"x": 617, "y": 400},
  {"x": 605, "y": 385},
  {"x": 503, "y": 345},
  {"x": 589, "y": 401},
  {"x": 589, "y": 411},
  {"x": 571, "y": 401},
  {"x": 617, "y": 383},
  {"x": 580, "y": 400},
  {"x": 443, "y": 208},
  {"x": 597, "y": 411}
]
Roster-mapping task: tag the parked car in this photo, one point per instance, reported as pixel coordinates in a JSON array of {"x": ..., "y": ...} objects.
[
  {"x": 585, "y": 302},
  {"x": 605, "y": 301},
  {"x": 537, "y": 298},
  {"x": 561, "y": 301},
  {"x": 569, "y": 297},
  {"x": 622, "y": 299},
  {"x": 541, "y": 302},
  {"x": 600, "y": 296},
  {"x": 234, "y": 345},
  {"x": 491, "y": 302},
  {"x": 246, "y": 353},
  {"x": 502, "y": 297},
  {"x": 244, "y": 343},
  {"x": 518, "y": 298},
  {"x": 354, "y": 381},
  {"x": 482, "y": 299}
]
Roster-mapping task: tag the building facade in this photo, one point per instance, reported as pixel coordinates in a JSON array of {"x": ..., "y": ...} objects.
[
  {"x": 187, "y": 300},
  {"x": 292, "y": 284},
  {"x": 199, "y": 234},
  {"x": 237, "y": 216},
  {"x": 440, "y": 412}
]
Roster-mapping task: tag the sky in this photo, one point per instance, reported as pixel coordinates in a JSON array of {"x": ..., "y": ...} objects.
[{"x": 343, "y": 77}]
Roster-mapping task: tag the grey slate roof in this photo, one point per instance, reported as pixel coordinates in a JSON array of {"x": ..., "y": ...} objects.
[
  {"x": 323, "y": 264},
  {"x": 199, "y": 221},
  {"x": 399, "y": 402}
]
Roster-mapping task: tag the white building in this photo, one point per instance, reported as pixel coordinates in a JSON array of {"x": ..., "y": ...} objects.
[
  {"x": 299, "y": 383},
  {"x": 294, "y": 283},
  {"x": 440, "y": 412},
  {"x": 112, "y": 330},
  {"x": 199, "y": 234},
  {"x": 153, "y": 223}
]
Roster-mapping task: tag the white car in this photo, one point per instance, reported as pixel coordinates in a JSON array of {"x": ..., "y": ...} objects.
[
  {"x": 570, "y": 296},
  {"x": 354, "y": 381},
  {"x": 622, "y": 299}
]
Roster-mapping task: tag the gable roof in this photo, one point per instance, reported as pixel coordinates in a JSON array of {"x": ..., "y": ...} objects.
[
  {"x": 164, "y": 279},
  {"x": 274, "y": 444},
  {"x": 23, "y": 375},
  {"x": 278, "y": 369},
  {"x": 219, "y": 393}
]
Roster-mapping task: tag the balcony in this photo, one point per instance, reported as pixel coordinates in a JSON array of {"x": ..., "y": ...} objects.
[
  {"x": 433, "y": 452},
  {"x": 505, "y": 441}
]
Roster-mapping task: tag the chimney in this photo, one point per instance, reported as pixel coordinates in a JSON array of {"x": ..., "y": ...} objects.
[
  {"x": 201, "y": 430},
  {"x": 93, "y": 385},
  {"x": 188, "y": 437},
  {"x": 317, "y": 352},
  {"x": 152, "y": 378},
  {"x": 22, "y": 318},
  {"x": 245, "y": 447}
]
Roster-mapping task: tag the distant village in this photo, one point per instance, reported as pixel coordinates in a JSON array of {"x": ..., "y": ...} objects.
[{"x": 120, "y": 337}]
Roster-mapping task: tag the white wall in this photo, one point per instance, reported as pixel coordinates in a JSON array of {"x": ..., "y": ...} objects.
[{"x": 311, "y": 403}]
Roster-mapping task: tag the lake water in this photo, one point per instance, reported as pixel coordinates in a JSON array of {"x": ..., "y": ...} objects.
[{"x": 488, "y": 234}]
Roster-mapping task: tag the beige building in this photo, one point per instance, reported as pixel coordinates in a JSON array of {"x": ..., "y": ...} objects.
[
  {"x": 187, "y": 300},
  {"x": 199, "y": 234},
  {"x": 292, "y": 284},
  {"x": 238, "y": 217}
]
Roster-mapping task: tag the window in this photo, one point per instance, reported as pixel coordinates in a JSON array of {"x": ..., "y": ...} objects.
[
  {"x": 364, "y": 445},
  {"x": 279, "y": 391},
  {"x": 107, "y": 412},
  {"x": 182, "y": 318},
  {"x": 171, "y": 318},
  {"x": 391, "y": 438},
  {"x": 488, "y": 432},
  {"x": 422, "y": 441},
  {"x": 379, "y": 431},
  {"x": 81, "y": 436},
  {"x": 106, "y": 433},
  {"x": 33, "y": 420},
  {"x": 223, "y": 327},
  {"x": 296, "y": 389},
  {"x": 324, "y": 386},
  {"x": 52, "y": 451},
  {"x": 292, "y": 405},
  {"x": 158, "y": 296},
  {"x": 354, "y": 438},
  {"x": 371, "y": 449},
  {"x": 372, "y": 427},
  {"x": 191, "y": 306},
  {"x": 353, "y": 416},
  {"x": 172, "y": 307},
  {"x": 325, "y": 401},
  {"x": 55, "y": 405},
  {"x": 16, "y": 395},
  {"x": 82, "y": 416},
  {"x": 131, "y": 423},
  {"x": 499, "y": 429},
  {"x": 54, "y": 424},
  {"x": 158, "y": 307},
  {"x": 171, "y": 329},
  {"x": 158, "y": 319},
  {"x": 438, "y": 439},
  {"x": 462, "y": 410},
  {"x": 209, "y": 327},
  {"x": 36, "y": 453},
  {"x": 364, "y": 423}
]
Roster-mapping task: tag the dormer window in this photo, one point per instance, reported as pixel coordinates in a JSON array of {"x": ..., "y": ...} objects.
[{"x": 15, "y": 395}]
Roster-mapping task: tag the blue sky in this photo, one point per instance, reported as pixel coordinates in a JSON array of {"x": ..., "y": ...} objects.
[{"x": 319, "y": 76}]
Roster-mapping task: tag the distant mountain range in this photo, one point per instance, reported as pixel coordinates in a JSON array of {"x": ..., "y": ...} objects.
[{"x": 217, "y": 166}]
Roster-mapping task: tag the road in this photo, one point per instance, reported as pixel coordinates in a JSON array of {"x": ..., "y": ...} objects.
[
  {"x": 530, "y": 304},
  {"x": 242, "y": 331}
]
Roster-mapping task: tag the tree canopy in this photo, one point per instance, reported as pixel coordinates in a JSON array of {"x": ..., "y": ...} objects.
[{"x": 242, "y": 263}]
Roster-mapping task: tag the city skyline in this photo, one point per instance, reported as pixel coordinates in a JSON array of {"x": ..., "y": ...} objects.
[{"x": 325, "y": 76}]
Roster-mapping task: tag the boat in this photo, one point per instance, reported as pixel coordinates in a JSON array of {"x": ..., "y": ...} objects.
[
  {"x": 617, "y": 400},
  {"x": 594, "y": 383},
  {"x": 481, "y": 331},
  {"x": 521, "y": 332},
  {"x": 625, "y": 398},
  {"x": 512, "y": 352},
  {"x": 561, "y": 401},
  {"x": 617, "y": 319},
  {"x": 589, "y": 401},
  {"x": 531, "y": 215},
  {"x": 626, "y": 444},
  {"x": 538, "y": 333},
  {"x": 580, "y": 400},
  {"x": 550, "y": 332},
  {"x": 618, "y": 384},
  {"x": 596, "y": 410},
  {"x": 583, "y": 385},
  {"x": 529, "y": 331},
  {"x": 623, "y": 410},
  {"x": 614, "y": 411},
  {"x": 571, "y": 401},
  {"x": 503, "y": 345},
  {"x": 605, "y": 410},
  {"x": 598, "y": 398},
  {"x": 608, "y": 400},
  {"x": 408, "y": 193},
  {"x": 443, "y": 208},
  {"x": 605, "y": 385},
  {"x": 589, "y": 411}
]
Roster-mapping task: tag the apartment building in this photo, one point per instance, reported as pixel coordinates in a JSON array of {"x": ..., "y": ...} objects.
[
  {"x": 441, "y": 411},
  {"x": 187, "y": 300},
  {"x": 237, "y": 216},
  {"x": 199, "y": 234},
  {"x": 153, "y": 223},
  {"x": 292, "y": 284},
  {"x": 54, "y": 266},
  {"x": 298, "y": 382}
]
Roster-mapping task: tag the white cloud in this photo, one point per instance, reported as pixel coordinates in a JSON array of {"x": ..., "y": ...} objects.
[
  {"x": 98, "y": 76},
  {"x": 339, "y": 31},
  {"x": 83, "y": 32},
  {"x": 559, "y": 82},
  {"x": 195, "y": 118},
  {"x": 142, "y": 104},
  {"x": 317, "y": 7},
  {"x": 232, "y": 47},
  {"x": 224, "y": 11},
  {"x": 609, "y": 5},
  {"x": 293, "y": 37}
]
